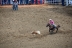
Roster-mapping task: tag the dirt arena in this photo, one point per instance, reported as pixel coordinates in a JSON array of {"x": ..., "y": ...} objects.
[{"x": 16, "y": 27}]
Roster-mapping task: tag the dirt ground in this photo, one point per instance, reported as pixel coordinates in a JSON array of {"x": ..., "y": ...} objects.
[{"x": 16, "y": 27}]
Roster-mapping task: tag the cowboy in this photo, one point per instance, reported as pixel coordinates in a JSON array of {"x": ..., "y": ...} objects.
[
  {"x": 15, "y": 5},
  {"x": 51, "y": 22}
]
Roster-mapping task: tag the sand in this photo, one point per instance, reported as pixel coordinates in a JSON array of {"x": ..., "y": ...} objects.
[{"x": 16, "y": 27}]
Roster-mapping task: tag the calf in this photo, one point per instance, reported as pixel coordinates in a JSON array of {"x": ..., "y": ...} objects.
[{"x": 36, "y": 32}]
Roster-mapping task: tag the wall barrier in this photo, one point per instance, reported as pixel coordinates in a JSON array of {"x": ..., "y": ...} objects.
[{"x": 4, "y": 2}]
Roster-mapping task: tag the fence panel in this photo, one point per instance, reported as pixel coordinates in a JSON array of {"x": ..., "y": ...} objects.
[{"x": 53, "y": 1}]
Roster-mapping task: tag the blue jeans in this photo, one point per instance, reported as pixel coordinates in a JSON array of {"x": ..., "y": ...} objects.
[
  {"x": 63, "y": 3},
  {"x": 24, "y": 1},
  {"x": 32, "y": 1},
  {"x": 2, "y": 2},
  {"x": 15, "y": 7},
  {"x": 21, "y": 1},
  {"x": 8, "y": 1},
  {"x": 27, "y": 1},
  {"x": 53, "y": 25}
]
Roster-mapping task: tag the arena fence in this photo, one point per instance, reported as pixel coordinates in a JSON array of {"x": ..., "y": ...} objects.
[
  {"x": 53, "y": 1},
  {"x": 21, "y": 2},
  {"x": 4, "y": 2}
]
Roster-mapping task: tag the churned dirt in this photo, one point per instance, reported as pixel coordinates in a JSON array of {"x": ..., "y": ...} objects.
[{"x": 16, "y": 27}]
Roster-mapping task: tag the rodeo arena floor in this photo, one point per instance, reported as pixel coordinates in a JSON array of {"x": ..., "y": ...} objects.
[{"x": 16, "y": 26}]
